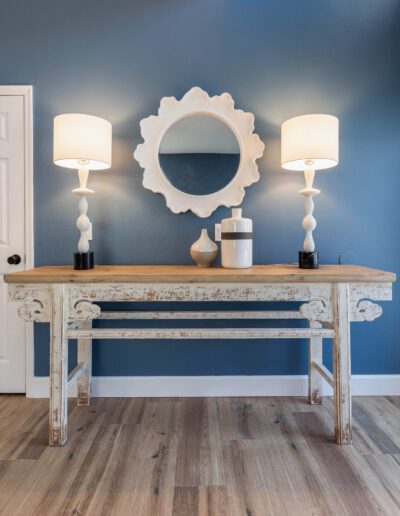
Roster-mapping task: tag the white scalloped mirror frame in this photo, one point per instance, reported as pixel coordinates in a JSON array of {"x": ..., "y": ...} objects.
[{"x": 197, "y": 101}]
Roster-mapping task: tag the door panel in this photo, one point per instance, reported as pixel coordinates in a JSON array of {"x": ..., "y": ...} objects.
[
  {"x": 12, "y": 239},
  {"x": 4, "y": 204}
]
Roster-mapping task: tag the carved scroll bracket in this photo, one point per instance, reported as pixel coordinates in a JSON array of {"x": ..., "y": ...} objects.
[
  {"x": 34, "y": 311},
  {"x": 316, "y": 310},
  {"x": 83, "y": 310},
  {"x": 365, "y": 310},
  {"x": 34, "y": 301}
]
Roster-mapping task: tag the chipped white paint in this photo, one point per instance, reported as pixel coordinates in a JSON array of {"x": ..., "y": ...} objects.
[
  {"x": 20, "y": 293},
  {"x": 32, "y": 311},
  {"x": 374, "y": 291},
  {"x": 342, "y": 363},
  {"x": 83, "y": 310},
  {"x": 183, "y": 314},
  {"x": 70, "y": 309},
  {"x": 361, "y": 308},
  {"x": 197, "y": 101},
  {"x": 36, "y": 301},
  {"x": 58, "y": 369},
  {"x": 199, "y": 292},
  {"x": 85, "y": 356},
  {"x": 317, "y": 310},
  {"x": 365, "y": 310},
  {"x": 324, "y": 372},
  {"x": 314, "y": 355},
  {"x": 76, "y": 372},
  {"x": 199, "y": 333}
]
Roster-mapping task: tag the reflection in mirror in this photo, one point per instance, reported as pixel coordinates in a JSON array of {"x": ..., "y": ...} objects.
[{"x": 199, "y": 154}]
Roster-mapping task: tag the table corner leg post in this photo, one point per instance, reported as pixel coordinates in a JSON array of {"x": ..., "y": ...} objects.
[
  {"x": 85, "y": 356},
  {"x": 314, "y": 378},
  {"x": 58, "y": 369},
  {"x": 342, "y": 364}
]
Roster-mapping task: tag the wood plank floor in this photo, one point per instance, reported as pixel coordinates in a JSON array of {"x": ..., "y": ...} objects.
[{"x": 203, "y": 456}]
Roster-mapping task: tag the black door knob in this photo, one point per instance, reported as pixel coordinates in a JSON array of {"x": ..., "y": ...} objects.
[{"x": 15, "y": 259}]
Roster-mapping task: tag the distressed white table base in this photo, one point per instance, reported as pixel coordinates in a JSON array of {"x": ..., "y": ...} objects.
[{"x": 328, "y": 307}]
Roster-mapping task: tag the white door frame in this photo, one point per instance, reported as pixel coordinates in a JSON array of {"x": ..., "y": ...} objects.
[{"x": 26, "y": 93}]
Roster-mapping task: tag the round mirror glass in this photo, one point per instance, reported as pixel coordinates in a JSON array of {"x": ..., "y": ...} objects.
[{"x": 199, "y": 154}]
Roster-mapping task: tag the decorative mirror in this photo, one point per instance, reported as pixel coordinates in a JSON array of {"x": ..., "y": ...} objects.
[{"x": 199, "y": 152}]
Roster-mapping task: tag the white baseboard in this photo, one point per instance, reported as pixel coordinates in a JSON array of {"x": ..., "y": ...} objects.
[{"x": 207, "y": 386}]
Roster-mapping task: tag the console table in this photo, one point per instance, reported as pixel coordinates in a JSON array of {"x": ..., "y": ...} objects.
[{"x": 331, "y": 297}]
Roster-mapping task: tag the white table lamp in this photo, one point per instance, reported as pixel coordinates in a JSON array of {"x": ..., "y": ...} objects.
[
  {"x": 309, "y": 143},
  {"x": 82, "y": 142}
]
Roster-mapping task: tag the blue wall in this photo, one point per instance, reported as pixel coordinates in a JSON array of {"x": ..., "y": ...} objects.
[{"x": 278, "y": 59}]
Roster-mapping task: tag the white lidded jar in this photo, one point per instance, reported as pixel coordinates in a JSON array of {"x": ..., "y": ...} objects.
[{"x": 237, "y": 241}]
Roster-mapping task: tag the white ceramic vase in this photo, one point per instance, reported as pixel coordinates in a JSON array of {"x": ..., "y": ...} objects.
[
  {"x": 237, "y": 241},
  {"x": 204, "y": 250}
]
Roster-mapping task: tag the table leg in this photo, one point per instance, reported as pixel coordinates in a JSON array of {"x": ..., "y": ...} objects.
[
  {"x": 341, "y": 363},
  {"x": 314, "y": 355},
  {"x": 58, "y": 370},
  {"x": 85, "y": 356}
]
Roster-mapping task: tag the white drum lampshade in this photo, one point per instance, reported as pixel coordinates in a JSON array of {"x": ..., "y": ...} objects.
[
  {"x": 82, "y": 141},
  {"x": 310, "y": 140}
]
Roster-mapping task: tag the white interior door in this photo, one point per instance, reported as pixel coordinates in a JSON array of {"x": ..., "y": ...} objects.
[{"x": 12, "y": 239}]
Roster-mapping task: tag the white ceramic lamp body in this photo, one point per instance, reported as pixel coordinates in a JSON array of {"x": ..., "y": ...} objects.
[
  {"x": 82, "y": 142},
  {"x": 310, "y": 143}
]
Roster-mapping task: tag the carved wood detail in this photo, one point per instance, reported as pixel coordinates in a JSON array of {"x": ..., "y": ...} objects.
[
  {"x": 34, "y": 311},
  {"x": 362, "y": 297},
  {"x": 35, "y": 302},
  {"x": 365, "y": 310},
  {"x": 316, "y": 310},
  {"x": 84, "y": 310},
  {"x": 198, "y": 292}
]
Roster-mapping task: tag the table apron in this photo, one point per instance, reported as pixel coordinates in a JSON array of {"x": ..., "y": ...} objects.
[{"x": 81, "y": 299}]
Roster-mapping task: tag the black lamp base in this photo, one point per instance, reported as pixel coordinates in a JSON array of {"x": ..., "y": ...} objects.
[
  {"x": 308, "y": 260},
  {"x": 84, "y": 261}
]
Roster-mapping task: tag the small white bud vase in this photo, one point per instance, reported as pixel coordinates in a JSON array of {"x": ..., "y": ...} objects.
[
  {"x": 204, "y": 250},
  {"x": 237, "y": 241}
]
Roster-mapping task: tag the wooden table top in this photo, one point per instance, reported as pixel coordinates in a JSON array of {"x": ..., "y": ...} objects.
[{"x": 193, "y": 274}]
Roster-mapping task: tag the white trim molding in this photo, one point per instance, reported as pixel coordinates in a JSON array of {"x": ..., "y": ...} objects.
[
  {"x": 218, "y": 386},
  {"x": 197, "y": 102},
  {"x": 26, "y": 91}
]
